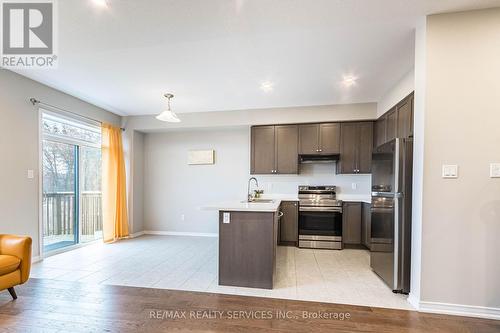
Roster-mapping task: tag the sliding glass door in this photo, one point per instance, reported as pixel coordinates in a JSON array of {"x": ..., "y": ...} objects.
[
  {"x": 71, "y": 184},
  {"x": 60, "y": 199},
  {"x": 90, "y": 183}
]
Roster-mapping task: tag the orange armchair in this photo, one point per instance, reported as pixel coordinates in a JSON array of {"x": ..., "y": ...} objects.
[{"x": 15, "y": 262}]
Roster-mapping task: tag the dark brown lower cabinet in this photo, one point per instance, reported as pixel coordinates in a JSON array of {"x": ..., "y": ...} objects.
[
  {"x": 289, "y": 223},
  {"x": 366, "y": 224},
  {"x": 351, "y": 223},
  {"x": 247, "y": 249}
]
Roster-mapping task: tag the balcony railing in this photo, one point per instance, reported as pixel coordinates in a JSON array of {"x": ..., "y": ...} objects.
[{"x": 59, "y": 214}]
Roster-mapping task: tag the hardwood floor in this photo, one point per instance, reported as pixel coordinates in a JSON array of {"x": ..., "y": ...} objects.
[{"x": 60, "y": 306}]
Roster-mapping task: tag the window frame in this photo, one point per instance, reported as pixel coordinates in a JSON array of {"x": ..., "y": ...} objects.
[
  {"x": 78, "y": 143},
  {"x": 65, "y": 139}
]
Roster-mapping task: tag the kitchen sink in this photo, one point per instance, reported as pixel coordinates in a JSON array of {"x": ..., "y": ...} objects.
[{"x": 259, "y": 201}]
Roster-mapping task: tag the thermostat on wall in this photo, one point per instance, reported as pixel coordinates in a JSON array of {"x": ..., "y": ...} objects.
[{"x": 450, "y": 171}]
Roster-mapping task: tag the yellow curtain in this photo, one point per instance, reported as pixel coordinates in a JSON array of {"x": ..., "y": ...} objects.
[{"x": 114, "y": 192}]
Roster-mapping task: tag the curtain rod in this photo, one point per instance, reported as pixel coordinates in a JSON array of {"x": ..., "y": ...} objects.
[{"x": 35, "y": 101}]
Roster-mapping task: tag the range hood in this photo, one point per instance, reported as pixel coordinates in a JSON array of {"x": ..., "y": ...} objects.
[{"x": 305, "y": 159}]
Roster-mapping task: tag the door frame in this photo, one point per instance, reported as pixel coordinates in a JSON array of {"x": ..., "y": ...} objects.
[{"x": 42, "y": 253}]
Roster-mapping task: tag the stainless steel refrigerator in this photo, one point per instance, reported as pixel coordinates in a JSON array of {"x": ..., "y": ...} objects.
[{"x": 390, "y": 255}]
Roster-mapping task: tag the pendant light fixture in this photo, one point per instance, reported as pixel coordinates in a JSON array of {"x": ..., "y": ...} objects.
[{"x": 168, "y": 115}]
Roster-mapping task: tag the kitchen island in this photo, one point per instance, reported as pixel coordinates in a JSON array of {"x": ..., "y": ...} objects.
[{"x": 248, "y": 234}]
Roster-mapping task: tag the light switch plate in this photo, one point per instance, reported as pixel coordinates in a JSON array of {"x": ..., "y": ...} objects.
[
  {"x": 450, "y": 171},
  {"x": 30, "y": 174},
  {"x": 495, "y": 170},
  {"x": 226, "y": 217}
]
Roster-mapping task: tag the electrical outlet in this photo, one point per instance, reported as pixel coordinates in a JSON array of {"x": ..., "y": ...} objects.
[
  {"x": 354, "y": 186},
  {"x": 226, "y": 217},
  {"x": 495, "y": 170},
  {"x": 450, "y": 171},
  {"x": 183, "y": 217},
  {"x": 30, "y": 174}
]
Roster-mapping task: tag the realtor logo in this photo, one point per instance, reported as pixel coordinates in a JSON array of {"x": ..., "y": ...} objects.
[{"x": 28, "y": 34}]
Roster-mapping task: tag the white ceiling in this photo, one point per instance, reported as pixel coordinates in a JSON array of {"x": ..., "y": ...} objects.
[{"x": 215, "y": 54}]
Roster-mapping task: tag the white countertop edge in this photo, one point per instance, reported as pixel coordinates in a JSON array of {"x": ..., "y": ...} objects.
[
  {"x": 238, "y": 206},
  {"x": 355, "y": 198}
]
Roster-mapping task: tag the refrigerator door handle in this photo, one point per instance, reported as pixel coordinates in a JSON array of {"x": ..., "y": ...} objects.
[
  {"x": 397, "y": 210},
  {"x": 388, "y": 194}
]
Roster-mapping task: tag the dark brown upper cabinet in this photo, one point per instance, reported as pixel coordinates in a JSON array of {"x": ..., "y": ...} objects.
[
  {"x": 286, "y": 139},
  {"x": 405, "y": 118},
  {"x": 309, "y": 139},
  {"x": 395, "y": 123},
  {"x": 274, "y": 149},
  {"x": 321, "y": 139},
  {"x": 356, "y": 146},
  {"x": 380, "y": 131},
  {"x": 365, "y": 147},
  {"x": 392, "y": 125},
  {"x": 263, "y": 150}
]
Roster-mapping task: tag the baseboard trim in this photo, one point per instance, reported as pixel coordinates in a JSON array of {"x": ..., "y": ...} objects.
[
  {"x": 414, "y": 301},
  {"x": 460, "y": 310},
  {"x": 180, "y": 233},
  {"x": 137, "y": 234},
  {"x": 34, "y": 260}
]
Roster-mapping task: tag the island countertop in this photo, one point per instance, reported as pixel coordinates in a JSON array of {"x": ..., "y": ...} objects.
[{"x": 243, "y": 206}]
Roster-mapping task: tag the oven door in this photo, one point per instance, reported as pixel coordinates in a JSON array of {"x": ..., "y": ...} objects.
[{"x": 320, "y": 224}]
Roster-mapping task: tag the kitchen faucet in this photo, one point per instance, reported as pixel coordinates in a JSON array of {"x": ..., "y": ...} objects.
[{"x": 250, "y": 197}]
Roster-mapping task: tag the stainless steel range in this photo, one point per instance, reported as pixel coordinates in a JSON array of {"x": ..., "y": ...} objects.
[{"x": 320, "y": 218}]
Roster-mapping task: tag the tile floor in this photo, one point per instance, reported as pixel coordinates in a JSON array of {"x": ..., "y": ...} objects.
[{"x": 190, "y": 263}]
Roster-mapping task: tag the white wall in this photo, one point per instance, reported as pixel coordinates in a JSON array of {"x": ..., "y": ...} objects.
[
  {"x": 418, "y": 160},
  {"x": 362, "y": 111},
  {"x": 138, "y": 183},
  {"x": 133, "y": 151},
  {"x": 399, "y": 91},
  {"x": 461, "y": 217},
  {"x": 172, "y": 188},
  {"x": 19, "y": 200}
]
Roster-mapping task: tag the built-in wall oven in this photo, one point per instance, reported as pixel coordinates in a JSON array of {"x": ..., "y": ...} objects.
[{"x": 320, "y": 218}]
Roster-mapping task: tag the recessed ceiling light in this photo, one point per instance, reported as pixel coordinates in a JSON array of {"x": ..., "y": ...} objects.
[
  {"x": 349, "y": 80},
  {"x": 100, "y": 3},
  {"x": 267, "y": 86}
]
